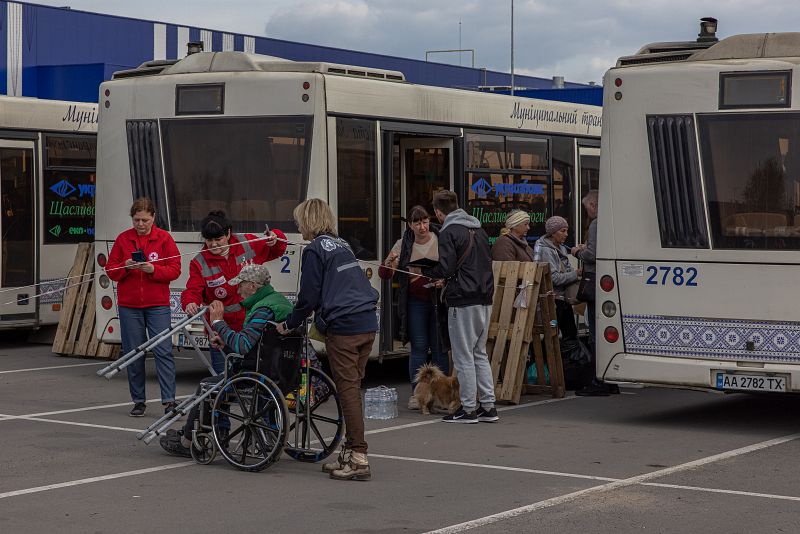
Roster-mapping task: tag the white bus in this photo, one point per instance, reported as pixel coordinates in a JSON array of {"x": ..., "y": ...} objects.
[
  {"x": 47, "y": 188},
  {"x": 699, "y": 226},
  {"x": 256, "y": 135}
]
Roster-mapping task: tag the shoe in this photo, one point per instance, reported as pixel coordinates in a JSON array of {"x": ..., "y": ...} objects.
[
  {"x": 339, "y": 462},
  {"x": 613, "y": 389},
  {"x": 356, "y": 468},
  {"x": 487, "y": 416},
  {"x": 174, "y": 447},
  {"x": 595, "y": 389},
  {"x": 170, "y": 406},
  {"x": 413, "y": 403},
  {"x": 461, "y": 417},
  {"x": 138, "y": 409}
]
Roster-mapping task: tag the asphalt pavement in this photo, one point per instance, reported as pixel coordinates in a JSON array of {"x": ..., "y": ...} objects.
[{"x": 648, "y": 460}]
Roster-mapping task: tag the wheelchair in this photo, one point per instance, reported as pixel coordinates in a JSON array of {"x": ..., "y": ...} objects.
[{"x": 272, "y": 400}]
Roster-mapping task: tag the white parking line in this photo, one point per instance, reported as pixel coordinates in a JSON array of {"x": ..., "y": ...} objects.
[
  {"x": 724, "y": 491},
  {"x": 39, "y": 489},
  {"x": 90, "y": 408},
  {"x": 639, "y": 479},
  {"x": 439, "y": 419},
  {"x": 52, "y": 367},
  {"x": 489, "y": 466},
  {"x": 73, "y": 423}
]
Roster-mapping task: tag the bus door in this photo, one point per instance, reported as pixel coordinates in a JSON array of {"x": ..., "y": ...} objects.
[
  {"x": 589, "y": 178},
  {"x": 17, "y": 231},
  {"x": 420, "y": 167}
]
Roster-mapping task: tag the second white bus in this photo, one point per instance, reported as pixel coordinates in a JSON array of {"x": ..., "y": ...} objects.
[
  {"x": 699, "y": 220},
  {"x": 256, "y": 135}
]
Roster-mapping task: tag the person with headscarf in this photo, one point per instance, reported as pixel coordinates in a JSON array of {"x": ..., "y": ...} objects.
[{"x": 512, "y": 244}]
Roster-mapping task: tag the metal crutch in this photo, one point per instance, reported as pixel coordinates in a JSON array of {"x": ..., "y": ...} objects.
[{"x": 124, "y": 361}]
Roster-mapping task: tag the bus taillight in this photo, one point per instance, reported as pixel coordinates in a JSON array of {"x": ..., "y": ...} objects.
[
  {"x": 606, "y": 283},
  {"x": 611, "y": 334},
  {"x": 106, "y": 302},
  {"x": 101, "y": 260}
]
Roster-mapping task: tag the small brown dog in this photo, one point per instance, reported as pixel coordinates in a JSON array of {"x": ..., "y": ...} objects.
[{"x": 436, "y": 392}]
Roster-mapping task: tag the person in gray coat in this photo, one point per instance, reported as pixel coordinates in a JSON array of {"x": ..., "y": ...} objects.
[{"x": 550, "y": 248}]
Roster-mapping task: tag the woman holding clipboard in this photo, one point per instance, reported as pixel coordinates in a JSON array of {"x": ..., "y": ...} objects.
[{"x": 418, "y": 307}]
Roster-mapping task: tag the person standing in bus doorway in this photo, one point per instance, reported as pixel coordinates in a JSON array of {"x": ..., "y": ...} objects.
[
  {"x": 143, "y": 261},
  {"x": 420, "y": 314},
  {"x": 512, "y": 244},
  {"x": 465, "y": 267},
  {"x": 336, "y": 290},
  {"x": 221, "y": 259},
  {"x": 586, "y": 253}
]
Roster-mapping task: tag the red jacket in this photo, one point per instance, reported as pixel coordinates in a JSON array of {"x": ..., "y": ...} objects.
[
  {"x": 209, "y": 274},
  {"x": 135, "y": 288}
]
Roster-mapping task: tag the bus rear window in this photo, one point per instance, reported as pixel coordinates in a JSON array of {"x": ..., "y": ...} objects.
[
  {"x": 751, "y": 163},
  {"x": 254, "y": 169}
]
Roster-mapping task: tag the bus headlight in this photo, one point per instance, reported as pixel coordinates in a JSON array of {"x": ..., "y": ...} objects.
[{"x": 609, "y": 309}]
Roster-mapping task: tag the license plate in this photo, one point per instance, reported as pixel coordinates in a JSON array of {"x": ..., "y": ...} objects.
[
  {"x": 201, "y": 340},
  {"x": 750, "y": 382}
]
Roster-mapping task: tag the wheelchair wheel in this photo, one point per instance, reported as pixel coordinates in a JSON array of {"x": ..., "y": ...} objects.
[
  {"x": 249, "y": 422},
  {"x": 314, "y": 437},
  {"x": 204, "y": 450}
]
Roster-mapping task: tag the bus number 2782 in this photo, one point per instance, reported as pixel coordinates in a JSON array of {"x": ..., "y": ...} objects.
[{"x": 677, "y": 276}]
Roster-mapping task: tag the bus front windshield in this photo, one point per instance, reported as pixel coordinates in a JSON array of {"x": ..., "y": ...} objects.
[{"x": 254, "y": 169}]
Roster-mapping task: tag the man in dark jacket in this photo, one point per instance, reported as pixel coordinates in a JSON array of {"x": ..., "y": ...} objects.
[{"x": 465, "y": 265}]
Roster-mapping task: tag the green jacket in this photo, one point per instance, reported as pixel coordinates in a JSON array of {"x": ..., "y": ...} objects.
[{"x": 269, "y": 298}]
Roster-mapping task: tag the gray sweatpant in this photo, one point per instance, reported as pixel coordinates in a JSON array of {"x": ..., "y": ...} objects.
[{"x": 468, "y": 327}]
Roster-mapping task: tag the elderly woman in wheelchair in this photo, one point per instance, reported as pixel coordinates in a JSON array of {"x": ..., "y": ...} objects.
[{"x": 261, "y": 405}]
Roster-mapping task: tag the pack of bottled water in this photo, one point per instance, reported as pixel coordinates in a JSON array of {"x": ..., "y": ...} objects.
[{"x": 380, "y": 403}]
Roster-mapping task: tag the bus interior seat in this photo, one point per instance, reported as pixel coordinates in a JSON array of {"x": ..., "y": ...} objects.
[
  {"x": 284, "y": 209},
  {"x": 754, "y": 224},
  {"x": 200, "y": 208},
  {"x": 251, "y": 211}
]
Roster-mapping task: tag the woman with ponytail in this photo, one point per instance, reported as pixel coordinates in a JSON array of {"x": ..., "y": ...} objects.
[{"x": 220, "y": 260}]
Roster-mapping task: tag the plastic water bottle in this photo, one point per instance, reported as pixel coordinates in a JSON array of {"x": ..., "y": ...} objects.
[
  {"x": 392, "y": 403},
  {"x": 369, "y": 404}
]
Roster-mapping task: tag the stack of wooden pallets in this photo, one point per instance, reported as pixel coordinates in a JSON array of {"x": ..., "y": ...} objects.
[
  {"x": 516, "y": 324},
  {"x": 75, "y": 335}
]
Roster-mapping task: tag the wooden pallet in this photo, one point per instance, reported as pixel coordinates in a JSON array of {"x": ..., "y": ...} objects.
[
  {"x": 75, "y": 335},
  {"x": 513, "y": 330},
  {"x": 546, "y": 346}
]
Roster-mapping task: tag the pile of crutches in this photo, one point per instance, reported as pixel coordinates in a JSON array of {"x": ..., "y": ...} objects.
[{"x": 139, "y": 352}]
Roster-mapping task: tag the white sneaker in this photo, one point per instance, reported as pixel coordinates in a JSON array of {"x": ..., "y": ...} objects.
[{"x": 413, "y": 403}]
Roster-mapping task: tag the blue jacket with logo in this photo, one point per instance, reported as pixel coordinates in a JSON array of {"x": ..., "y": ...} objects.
[{"x": 333, "y": 286}]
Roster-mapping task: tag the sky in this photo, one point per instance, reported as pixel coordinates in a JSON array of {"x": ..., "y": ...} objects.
[{"x": 577, "y": 39}]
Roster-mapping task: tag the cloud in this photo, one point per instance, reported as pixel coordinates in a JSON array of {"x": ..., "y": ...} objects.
[{"x": 577, "y": 39}]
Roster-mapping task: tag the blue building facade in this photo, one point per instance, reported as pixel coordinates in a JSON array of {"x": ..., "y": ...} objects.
[{"x": 64, "y": 54}]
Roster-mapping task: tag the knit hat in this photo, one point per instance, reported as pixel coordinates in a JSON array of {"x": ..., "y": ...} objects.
[
  {"x": 517, "y": 217},
  {"x": 554, "y": 224},
  {"x": 252, "y": 272}
]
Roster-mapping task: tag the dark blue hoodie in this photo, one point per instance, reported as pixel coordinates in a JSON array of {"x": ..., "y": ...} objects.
[{"x": 333, "y": 286}]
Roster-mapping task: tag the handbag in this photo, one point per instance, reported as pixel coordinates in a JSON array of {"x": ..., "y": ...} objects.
[
  {"x": 571, "y": 290},
  {"x": 586, "y": 288}
]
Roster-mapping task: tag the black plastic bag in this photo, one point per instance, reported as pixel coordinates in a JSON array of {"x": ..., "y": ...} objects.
[{"x": 578, "y": 364}]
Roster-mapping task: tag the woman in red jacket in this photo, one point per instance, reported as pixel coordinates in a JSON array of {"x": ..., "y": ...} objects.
[
  {"x": 220, "y": 260},
  {"x": 143, "y": 261}
]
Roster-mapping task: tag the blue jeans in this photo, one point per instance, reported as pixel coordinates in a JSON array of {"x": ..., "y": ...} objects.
[
  {"x": 217, "y": 360},
  {"x": 136, "y": 326},
  {"x": 423, "y": 334}
]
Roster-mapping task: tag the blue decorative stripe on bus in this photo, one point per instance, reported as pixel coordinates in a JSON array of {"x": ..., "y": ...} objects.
[{"x": 719, "y": 339}]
